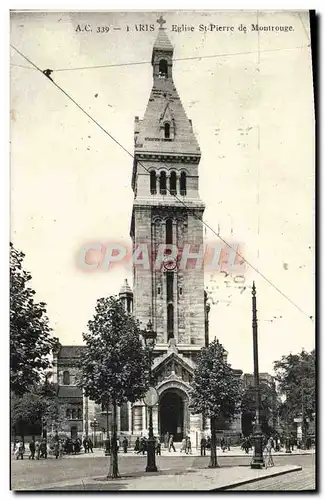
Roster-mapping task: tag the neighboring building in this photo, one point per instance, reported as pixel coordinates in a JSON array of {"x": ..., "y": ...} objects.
[{"x": 171, "y": 295}]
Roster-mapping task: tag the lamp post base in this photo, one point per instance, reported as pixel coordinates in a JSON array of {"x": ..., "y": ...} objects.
[
  {"x": 151, "y": 462},
  {"x": 258, "y": 459}
]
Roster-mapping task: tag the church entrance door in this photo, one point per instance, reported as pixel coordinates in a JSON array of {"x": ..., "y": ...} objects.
[{"x": 171, "y": 413}]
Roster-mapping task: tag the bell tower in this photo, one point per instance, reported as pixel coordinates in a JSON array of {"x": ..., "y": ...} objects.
[{"x": 166, "y": 225}]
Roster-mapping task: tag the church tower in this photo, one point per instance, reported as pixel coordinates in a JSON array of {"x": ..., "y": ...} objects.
[
  {"x": 166, "y": 225},
  {"x": 167, "y": 236}
]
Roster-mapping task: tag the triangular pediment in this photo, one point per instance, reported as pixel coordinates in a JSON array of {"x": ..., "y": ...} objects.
[{"x": 173, "y": 365}]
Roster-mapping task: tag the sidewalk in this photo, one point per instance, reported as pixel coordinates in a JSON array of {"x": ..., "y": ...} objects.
[
  {"x": 190, "y": 480},
  {"x": 234, "y": 452}
]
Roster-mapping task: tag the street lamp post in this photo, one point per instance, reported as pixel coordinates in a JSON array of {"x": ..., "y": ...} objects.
[
  {"x": 258, "y": 460},
  {"x": 150, "y": 336}
]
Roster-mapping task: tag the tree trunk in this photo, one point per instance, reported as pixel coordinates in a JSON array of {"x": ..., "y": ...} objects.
[
  {"x": 213, "y": 458},
  {"x": 107, "y": 429},
  {"x": 113, "y": 472}
]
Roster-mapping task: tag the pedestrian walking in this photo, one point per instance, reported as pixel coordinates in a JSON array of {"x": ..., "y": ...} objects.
[
  {"x": 203, "y": 446},
  {"x": 19, "y": 451},
  {"x": 37, "y": 449},
  {"x": 125, "y": 444},
  {"x": 209, "y": 443},
  {"x": 268, "y": 459},
  {"x": 32, "y": 449},
  {"x": 223, "y": 444},
  {"x": 43, "y": 449},
  {"x": 56, "y": 449},
  {"x": 183, "y": 445},
  {"x": 158, "y": 446},
  {"x": 171, "y": 443},
  {"x": 90, "y": 445},
  {"x": 85, "y": 444},
  {"x": 188, "y": 445},
  {"x": 137, "y": 445}
]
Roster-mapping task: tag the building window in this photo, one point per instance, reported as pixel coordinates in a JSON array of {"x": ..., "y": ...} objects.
[
  {"x": 170, "y": 286},
  {"x": 183, "y": 184},
  {"x": 172, "y": 183},
  {"x": 74, "y": 414},
  {"x": 163, "y": 183},
  {"x": 158, "y": 291},
  {"x": 170, "y": 321},
  {"x": 153, "y": 182},
  {"x": 169, "y": 232},
  {"x": 68, "y": 413},
  {"x": 66, "y": 378},
  {"x": 163, "y": 68},
  {"x": 181, "y": 291},
  {"x": 79, "y": 413},
  {"x": 167, "y": 130}
]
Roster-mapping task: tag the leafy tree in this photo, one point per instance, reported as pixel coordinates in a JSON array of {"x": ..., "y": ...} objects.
[
  {"x": 268, "y": 408},
  {"x": 215, "y": 391},
  {"x": 30, "y": 341},
  {"x": 296, "y": 374},
  {"x": 114, "y": 366},
  {"x": 29, "y": 410}
]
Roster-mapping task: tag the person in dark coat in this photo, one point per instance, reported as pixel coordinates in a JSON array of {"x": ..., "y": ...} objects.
[
  {"x": 85, "y": 444},
  {"x": 56, "y": 449},
  {"x": 125, "y": 444},
  {"x": 90, "y": 445},
  {"x": 223, "y": 444},
  {"x": 137, "y": 445},
  {"x": 203, "y": 446},
  {"x": 32, "y": 449},
  {"x": 43, "y": 449},
  {"x": 158, "y": 446},
  {"x": 209, "y": 443},
  {"x": 171, "y": 443}
]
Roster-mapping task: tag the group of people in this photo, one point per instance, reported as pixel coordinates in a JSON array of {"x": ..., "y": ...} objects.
[
  {"x": 37, "y": 449},
  {"x": 108, "y": 445}
]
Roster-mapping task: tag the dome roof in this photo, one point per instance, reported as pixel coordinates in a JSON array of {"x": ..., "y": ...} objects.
[{"x": 125, "y": 288}]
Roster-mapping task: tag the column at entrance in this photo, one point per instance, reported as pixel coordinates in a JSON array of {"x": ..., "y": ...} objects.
[
  {"x": 137, "y": 419},
  {"x": 186, "y": 419}
]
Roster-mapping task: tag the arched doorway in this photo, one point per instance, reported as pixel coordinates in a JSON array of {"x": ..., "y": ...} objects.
[{"x": 171, "y": 414}]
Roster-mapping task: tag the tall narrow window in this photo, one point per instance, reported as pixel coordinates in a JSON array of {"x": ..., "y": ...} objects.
[
  {"x": 170, "y": 286},
  {"x": 167, "y": 130},
  {"x": 183, "y": 184},
  {"x": 163, "y": 68},
  {"x": 66, "y": 378},
  {"x": 79, "y": 413},
  {"x": 172, "y": 183},
  {"x": 153, "y": 182},
  {"x": 169, "y": 232},
  {"x": 74, "y": 414},
  {"x": 170, "y": 321},
  {"x": 163, "y": 183},
  {"x": 68, "y": 413}
]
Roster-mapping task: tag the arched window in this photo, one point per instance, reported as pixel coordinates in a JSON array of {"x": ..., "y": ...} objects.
[
  {"x": 169, "y": 232},
  {"x": 163, "y": 183},
  {"x": 68, "y": 413},
  {"x": 163, "y": 68},
  {"x": 79, "y": 413},
  {"x": 153, "y": 182},
  {"x": 170, "y": 321},
  {"x": 172, "y": 183},
  {"x": 183, "y": 184},
  {"x": 167, "y": 130},
  {"x": 66, "y": 378},
  {"x": 74, "y": 414}
]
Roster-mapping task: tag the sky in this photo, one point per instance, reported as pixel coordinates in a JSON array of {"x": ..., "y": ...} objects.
[{"x": 250, "y": 99}]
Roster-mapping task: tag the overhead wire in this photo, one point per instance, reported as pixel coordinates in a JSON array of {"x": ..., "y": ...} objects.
[{"x": 174, "y": 195}]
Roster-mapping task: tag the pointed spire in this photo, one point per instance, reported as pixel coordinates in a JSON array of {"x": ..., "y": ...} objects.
[{"x": 162, "y": 41}]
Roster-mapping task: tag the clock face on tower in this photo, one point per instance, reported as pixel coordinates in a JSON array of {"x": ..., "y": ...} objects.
[{"x": 170, "y": 264}]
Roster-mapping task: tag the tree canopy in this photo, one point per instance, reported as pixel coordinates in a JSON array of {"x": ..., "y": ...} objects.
[
  {"x": 296, "y": 376},
  {"x": 114, "y": 366},
  {"x": 216, "y": 390},
  {"x": 268, "y": 410},
  {"x": 30, "y": 333}
]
